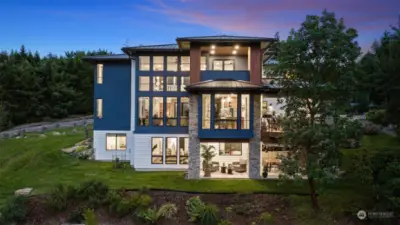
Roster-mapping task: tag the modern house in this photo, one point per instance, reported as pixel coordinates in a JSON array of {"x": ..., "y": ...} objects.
[{"x": 156, "y": 105}]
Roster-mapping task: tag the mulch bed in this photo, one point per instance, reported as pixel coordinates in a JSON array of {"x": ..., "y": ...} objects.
[{"x": 246, "y": 208}]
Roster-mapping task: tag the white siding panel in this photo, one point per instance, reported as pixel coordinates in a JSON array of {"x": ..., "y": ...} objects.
[
  {"x": 142, "y": 153},
  {"x": 99, "y": 145}
]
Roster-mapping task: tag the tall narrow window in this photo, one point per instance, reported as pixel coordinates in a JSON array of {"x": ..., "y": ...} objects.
[
  {"x": 225, "y": 116},
  {"x": 158, "y": 63},
  {"x": 144, "y": 63},
  {"x": 156, "y": 151},
  {"x": 206, "y": 111},
  {"x": 143, "y": 111},
  {"x": 144, "y": 83},
  {"x": 158, "y": 83},
  {"x": 184, "y": 111},
  {"x": 172, "y": 63},
  {"x": 171, "y": 146},
  {"x": 99, "y": 104},
  {"x": 99, "y": 73},
  {"x": 172, "y": 114},
  {"x": 185, "y": 63},
  {"x": 172, "y": 83},
  {"x": 203, "y": 63},
  {"x": 158, "y": 112},
  {"x": 184, "y": 82},
  {"x": 116, "y": 142},
  {"x": 183, "y": 150},
  {"x": 245, "y": 111}
]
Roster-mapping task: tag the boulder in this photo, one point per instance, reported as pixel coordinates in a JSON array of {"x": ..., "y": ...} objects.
[
  {"x": 23, "y": 191},
  {"x": 55, "y": 133},
  {"x": 42, "y": 135}
]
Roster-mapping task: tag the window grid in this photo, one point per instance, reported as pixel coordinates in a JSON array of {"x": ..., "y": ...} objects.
[
  {"x": 115, "y": 142},
  {"x": 175, "y": 151}
]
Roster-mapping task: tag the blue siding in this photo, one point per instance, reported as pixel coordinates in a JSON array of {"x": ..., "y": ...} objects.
[
  {"x": 236, "y": 75},
  {"x": 116, "y": 94}
]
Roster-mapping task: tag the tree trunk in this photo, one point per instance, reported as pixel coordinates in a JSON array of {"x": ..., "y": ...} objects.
[{"x": 313, "y": 194}]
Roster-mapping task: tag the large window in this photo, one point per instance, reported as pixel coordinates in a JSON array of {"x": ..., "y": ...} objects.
[
  {"x": 184, "y": 111},
  {"x": 143, "y": 111},
  {"x": 158, "y": 83},
  {"x": 158, "y": 112},
  {"x": 157, "y": 150},
  {"x": 172, "y": 63},
  {"x": 225, "y": 116},
  {"x": 158, "y": 63},
  {"x": 227, "y": 148},
  {"x": 185, "y": 63},
  {"x": 171, "y": 146},
  {"x": 144, "y": 63},
  {"x": 99, "y": 108},
  {"x": 172, "y": 111},
  {"x": 144, "y": 83},
  {"x": 183, "y": 150},
  {"x": 245, "y": 111},
  {"x": 184, "y": 82},
  {"x": 116, "y": 142},
  {"x": 203, "y": 63},
  {"x": 206, "y": 111},
  {"x": 99, "y": 73},
  {"x": 223, "y": 64},
  {"x": 172, "y": 83}
]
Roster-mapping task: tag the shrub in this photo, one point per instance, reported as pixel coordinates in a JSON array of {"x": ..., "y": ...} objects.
[
  {"x": 60, "y": 195},
  {"x": 75, "y": 216},
  {"x": 209, "y": 215},
  {"x": 224, "y": 222},
  {"x": 377, "y": 116},
  {"x": 14, "y": 210},
  {"x": 140, "y": 201},
  {"x": 149, "y": 216},
  {"x": 168, "y": 210},
  {"x": 265, "y": 219},
  {"x": 243, "y": 209},
  {"x": 90, "y": 217},
  {"x": 143, "y": 190},
  {"x": 371, "y": 129},
  {"x": 94, "y": 191},
  {"x": 194, "y": 206}
]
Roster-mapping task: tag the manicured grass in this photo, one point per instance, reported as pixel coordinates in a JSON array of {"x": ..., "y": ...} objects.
[{"x": 38, "y": 162}]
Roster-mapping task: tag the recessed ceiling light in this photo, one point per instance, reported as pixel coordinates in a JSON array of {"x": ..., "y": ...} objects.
[
  {"x": 236, "y": 46},
  {"x": 212, "y": 51},
  {"x": 234, "y": 52},
  {"x": 212, "y": 46}
]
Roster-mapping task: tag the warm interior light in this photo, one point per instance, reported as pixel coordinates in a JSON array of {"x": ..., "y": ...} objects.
[
  {"x": 236, "y": 46},
  {"x": 212, "y": 46},
  {"x": 234, "y": 52},
  {"x": 212, "y": 52}
]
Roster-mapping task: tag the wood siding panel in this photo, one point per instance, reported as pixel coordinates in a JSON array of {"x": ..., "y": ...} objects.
[
  {"x": 255, "y": 64},
  {"x": 195, "y": 54}
]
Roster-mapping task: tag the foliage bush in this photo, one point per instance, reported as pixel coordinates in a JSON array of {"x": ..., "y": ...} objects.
[
  {"x": 60, "y": 195},
  {"x": 95, "y": 192},
  {"x": 140, "y": 201},
  {"x": 75, "y": 216},
  {"x": 168, "y": 210},
  {"x": 209, "y": 215},
  {"x": 194, "y": 206},
  {"x": 224, "y": 222},
  {"x": 378, "y": 116},
  {"x": 371, "y": 129},
  {"x": 265, "y": 219},
  {"x": 14, "y": 210},
  {"x": 90, "y": 217},
  {"x": 149, "y": 216}
]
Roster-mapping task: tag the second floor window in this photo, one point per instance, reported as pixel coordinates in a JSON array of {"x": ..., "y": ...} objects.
[
  {"x": 184, "y": 82},
  {"x": 144, "y": 63},
  {"x": 172, "y": 111},
  {"x": 99, "y": 108},
  {"x": 172, "y": 63},
  {"x": 184, "y": 111},
  {"x": 158, "y": 83},
  {"x": 144, "y": 83},
  {"x": 225, "y": 111},
  {"x": 143, "y": 111},
  {"x": 99, "y": 73},
  {"x": 158, "y": 111},
  {"x": 223, "y": 64},
  {"x": 172, "y": 83},
  {"x": 158, "y": 63},
  {"x": 203, "y": 63},
  {"x": 185, "y": 63}
]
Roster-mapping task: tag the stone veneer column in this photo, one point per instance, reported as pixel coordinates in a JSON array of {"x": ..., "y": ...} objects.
[
  {"x": 194, "y": 141},
  {"x": 254, "y": 151}
]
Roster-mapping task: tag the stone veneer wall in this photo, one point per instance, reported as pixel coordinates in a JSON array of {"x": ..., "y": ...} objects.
[
  {"x": 254, "y": 151},
  {"x": 194, "y": 141}
]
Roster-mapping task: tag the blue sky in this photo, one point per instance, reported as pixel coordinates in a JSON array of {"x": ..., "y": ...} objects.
[{"x": 57, "y": 26}]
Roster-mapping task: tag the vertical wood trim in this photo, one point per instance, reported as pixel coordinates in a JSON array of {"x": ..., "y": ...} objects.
[
  {"x": 195, "y": 55},
  {"x": 255, "y": 64}
]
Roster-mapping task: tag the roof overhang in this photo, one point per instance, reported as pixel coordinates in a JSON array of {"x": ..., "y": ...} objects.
[
  {"x": 228, "y": 85},
  {"x": 151, "y": 49},
  {"x": 107, "y": 58}
]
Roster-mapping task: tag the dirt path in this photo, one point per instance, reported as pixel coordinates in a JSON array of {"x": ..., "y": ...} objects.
[{"x": 38, "y": 127}]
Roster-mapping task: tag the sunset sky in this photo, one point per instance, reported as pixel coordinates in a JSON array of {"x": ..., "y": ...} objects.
[{"x": 57, "y": 26}]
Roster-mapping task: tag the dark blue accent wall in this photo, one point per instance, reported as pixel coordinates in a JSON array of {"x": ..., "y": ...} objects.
[
  {"x": 116, "y": 94},
  {"x": 214, "y": 75}
]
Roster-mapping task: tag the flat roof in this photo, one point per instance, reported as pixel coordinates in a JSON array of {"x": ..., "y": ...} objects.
[{"x": 113, "y": 57}]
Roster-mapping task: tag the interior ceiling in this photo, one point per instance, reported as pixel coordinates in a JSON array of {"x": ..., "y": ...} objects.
[{"x": 226, "y": 50}]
